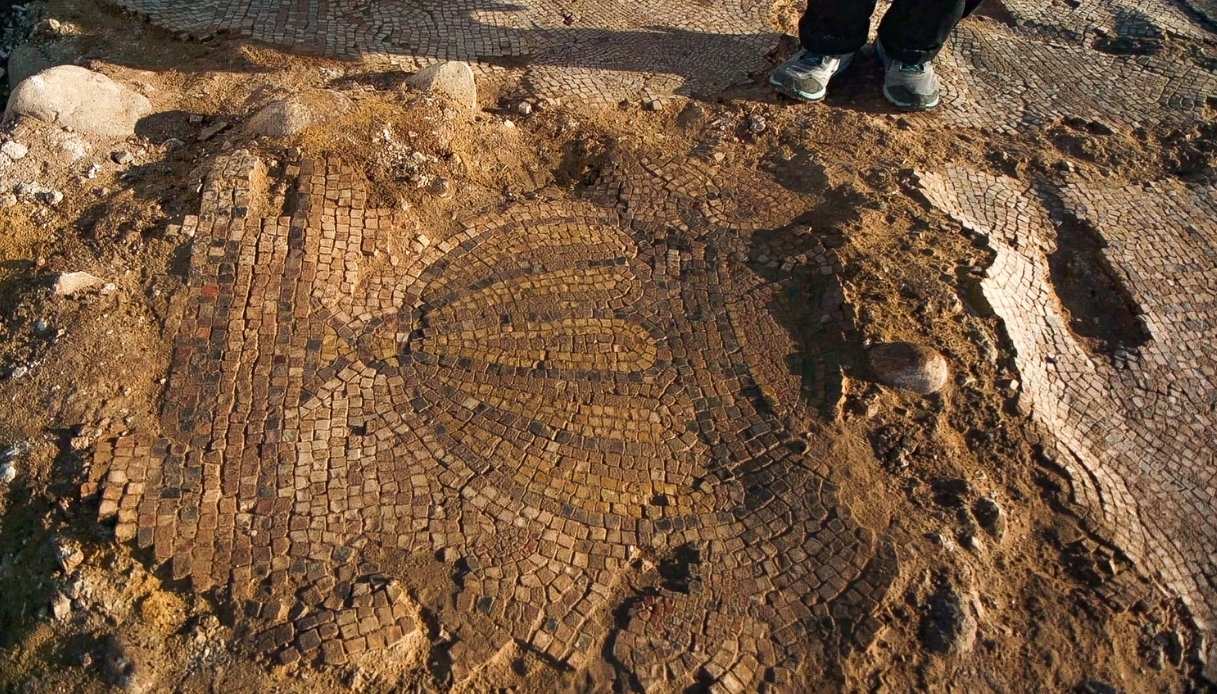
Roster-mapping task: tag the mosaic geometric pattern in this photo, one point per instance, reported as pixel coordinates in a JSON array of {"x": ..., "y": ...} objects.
[
  {"x": 591, "y": 50},
  {"x": 1006, "y": 79},
  {"x": 560, "y": 401},
  {"x": 1133, "y": 408}
]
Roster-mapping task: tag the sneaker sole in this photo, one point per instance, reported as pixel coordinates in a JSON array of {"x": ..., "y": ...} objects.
[
  {"x": 795, "y": 93},
  {"x": 800, "y": 95},
  {"x": 905, "y": 106}
]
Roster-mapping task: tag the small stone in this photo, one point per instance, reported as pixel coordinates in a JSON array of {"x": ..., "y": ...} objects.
[
  {"x": 69, "y": 283},
  {"x": 970, "y": 542},
  {"x": 14, "y": 150},
  {"x": 441, "y": 187},
  {"x": 947, "y": 624},
  {"x": 8, "y": 200},
  {"x": 51, "y": 198},
  {"x": 8, "y": 471},
  {"x": 70, "y": 557},
  {"x": 910, "y": 367},
  {"x": 42, "y": 327},
  {"x": 950, "y": 492},
  {"x": 75, "y": 149},
  {"x": 173, "y": 143},
  {"x": 990, "y": 516},
  {"x": 121, "y": 157},
  {"x": 524, "y": 108},
  {"x": 280, "y": 119},
  {"x": 653, "y": 105},
  {"x": 49, "y": 27},
  {"x": 121, "y": 669},
  {"x": 61, "y": 606},
  {"x": 757, "y": 124}
]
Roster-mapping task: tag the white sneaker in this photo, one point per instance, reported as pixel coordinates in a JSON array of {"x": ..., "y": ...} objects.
[{"x": 805, "y": 76}]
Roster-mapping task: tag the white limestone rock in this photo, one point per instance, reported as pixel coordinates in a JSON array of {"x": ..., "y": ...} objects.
[
  {"x": 453, "y": 79},
  {"x": 79, "y": 99}
]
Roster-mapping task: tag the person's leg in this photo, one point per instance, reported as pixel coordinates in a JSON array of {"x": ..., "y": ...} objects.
[
  {"x": 914, "y": 31},
  {"x": 830, "y": 31},
  {"x": 911, "y": 34},
  {"x": 835, "y": 27}
]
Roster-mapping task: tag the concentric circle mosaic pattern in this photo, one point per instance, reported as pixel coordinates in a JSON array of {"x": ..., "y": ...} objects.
[{"x": 561, "y": 402}]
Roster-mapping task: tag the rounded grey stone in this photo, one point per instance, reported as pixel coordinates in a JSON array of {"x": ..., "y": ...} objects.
[
  {"x": 283, "y": 118},
  {"x": 909, "y": 366}
]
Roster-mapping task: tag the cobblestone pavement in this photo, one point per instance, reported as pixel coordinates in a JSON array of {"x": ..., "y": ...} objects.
[
  {"x": 1127, "y": 385},
  {"x": 572, "y": 49},
  {"x": 1048, "y": 61},
  {"x": 553, "y": 394}
]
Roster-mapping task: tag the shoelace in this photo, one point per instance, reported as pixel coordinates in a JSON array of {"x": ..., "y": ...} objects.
[{"x": 912, "y": 68}]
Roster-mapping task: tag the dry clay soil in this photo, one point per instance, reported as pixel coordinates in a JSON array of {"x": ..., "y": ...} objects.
[{"x": 1054, "y": 604}]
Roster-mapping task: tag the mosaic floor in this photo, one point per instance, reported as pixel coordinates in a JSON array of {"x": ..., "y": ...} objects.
[
  {"x": 568, "y": 48},
  {"x": 571, "y": 403},
  {"x": 1131, "y": 399},
  {"x": 1049, "y": 61},
  {"x": 572, "y": 388}
]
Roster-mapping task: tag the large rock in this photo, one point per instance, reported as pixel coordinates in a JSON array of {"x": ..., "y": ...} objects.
[
  {"x": 910, "y": 367},
  {"x": 453, "y": 79},
  {"x": 280, "y": 119},
  {"x": 80, "y": 99}
]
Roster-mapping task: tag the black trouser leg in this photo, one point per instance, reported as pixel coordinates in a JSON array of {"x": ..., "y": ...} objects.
[
  {"x": 913, "y": 31},
  {"x": 831, "y": 27}
]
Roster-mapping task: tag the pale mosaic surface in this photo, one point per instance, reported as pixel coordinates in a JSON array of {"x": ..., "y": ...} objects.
[
  {"x": 1043, "y": 66},
  {"x": 1136, "y": 419},
  {"x": 581, "y": 49}
]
